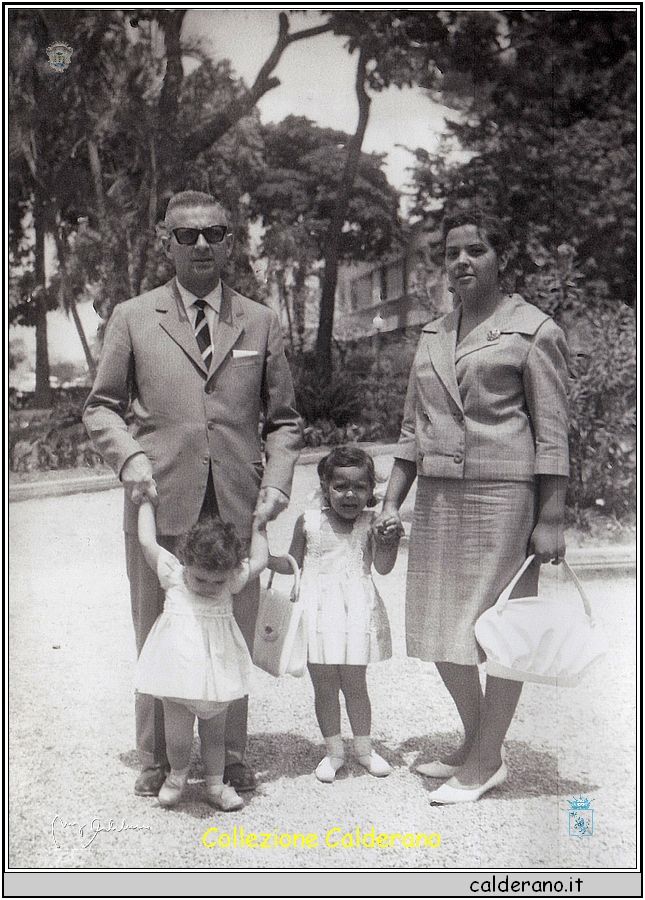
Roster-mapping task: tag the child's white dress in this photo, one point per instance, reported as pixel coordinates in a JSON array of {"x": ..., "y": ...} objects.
[
  {"x": 195, "y": 653},
  {"x": 346, "y": 619}
]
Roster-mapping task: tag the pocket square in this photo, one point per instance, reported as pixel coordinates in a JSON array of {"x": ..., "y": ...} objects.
[{"x": 240, "y": 354}]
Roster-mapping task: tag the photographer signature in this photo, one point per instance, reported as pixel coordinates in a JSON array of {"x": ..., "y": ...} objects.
[{"x": 90, "y": 831}]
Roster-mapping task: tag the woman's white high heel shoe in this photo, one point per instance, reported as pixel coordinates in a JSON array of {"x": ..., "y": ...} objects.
[
  {"x": 438, "y": 769},
  {"x": 449, "y": 793}
]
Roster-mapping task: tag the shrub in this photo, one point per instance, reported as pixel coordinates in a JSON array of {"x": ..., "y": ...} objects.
[
  {"x": 357, "y": 405},
  {"x": 602, "y": 435},
  {"x": 52, "y": 439},
  {"x": 338, "y": 401},
  {"x": 602, "y": 395}
]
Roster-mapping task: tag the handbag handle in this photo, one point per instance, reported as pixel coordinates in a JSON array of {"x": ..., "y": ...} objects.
[
  {"x": 508, "y": 590},
  {"x": 296, "y": 576}
]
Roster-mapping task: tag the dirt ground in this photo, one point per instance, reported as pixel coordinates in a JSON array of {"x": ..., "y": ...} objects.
[{"x": 72, "y": 762}]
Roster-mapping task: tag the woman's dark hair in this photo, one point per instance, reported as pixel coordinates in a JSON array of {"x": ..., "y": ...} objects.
[
  {"x": 492, "y": 228},
  {"x": 343, "y": 457},
  {"x": 212, "y": 545}
]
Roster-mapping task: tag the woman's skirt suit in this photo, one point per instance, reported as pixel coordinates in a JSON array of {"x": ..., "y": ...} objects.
[{"x": 482, "y": 419}]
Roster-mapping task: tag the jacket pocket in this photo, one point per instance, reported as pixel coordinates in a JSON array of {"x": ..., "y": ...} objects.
[{"x": 244, "y": 361}]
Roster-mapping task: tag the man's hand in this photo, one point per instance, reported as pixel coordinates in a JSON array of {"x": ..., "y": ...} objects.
[
  {"x": 270, "y": 504},
  {"x": 136, "y": 477}
]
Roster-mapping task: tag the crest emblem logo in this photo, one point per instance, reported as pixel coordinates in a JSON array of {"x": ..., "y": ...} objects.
[
  {"x": 580, "y": 817},
  {"x": 60, "y": 55}
]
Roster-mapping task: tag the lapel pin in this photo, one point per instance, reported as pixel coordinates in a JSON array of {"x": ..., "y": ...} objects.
[{"x": 493, "y": 334}]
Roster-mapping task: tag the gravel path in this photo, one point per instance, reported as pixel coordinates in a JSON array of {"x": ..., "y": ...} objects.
[{"x": 72, "y": 734}]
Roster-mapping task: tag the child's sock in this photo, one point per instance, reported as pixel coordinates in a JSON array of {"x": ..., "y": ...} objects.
[
  {"x": 177, "y": 777},
  {"x": 327, "y": 767},
  {"x": 369, "y": 758},
  {"x": 214, "y": 781}
]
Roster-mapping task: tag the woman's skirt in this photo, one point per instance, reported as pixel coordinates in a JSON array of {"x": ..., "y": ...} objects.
[{"x": 468, "y": 539}]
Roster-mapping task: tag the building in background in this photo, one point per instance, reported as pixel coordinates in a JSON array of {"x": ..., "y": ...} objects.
[{"x": 392, "y": 296}]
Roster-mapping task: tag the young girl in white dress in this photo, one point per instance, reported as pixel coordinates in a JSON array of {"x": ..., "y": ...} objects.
[
  {"x": 195, "y": 658},
  {"x": 346, "y": 619}
]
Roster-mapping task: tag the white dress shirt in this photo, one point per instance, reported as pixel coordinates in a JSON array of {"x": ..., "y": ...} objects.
[{"x": 211, "y": 310}]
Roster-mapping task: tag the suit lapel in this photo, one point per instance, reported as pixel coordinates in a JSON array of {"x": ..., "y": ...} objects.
[
  {"x": 174, "y": 322},
  {"x": 229, "y": 328},
  {"x": 485, "y": 335},
  {"x": 512, "y": 315},
  {"x": 441, "y": 348}
]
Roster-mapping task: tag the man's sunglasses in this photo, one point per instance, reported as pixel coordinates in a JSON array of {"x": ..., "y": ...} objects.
[{"x": 214, "y": 234}]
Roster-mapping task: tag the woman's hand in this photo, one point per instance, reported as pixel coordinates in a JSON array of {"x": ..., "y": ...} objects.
[
  {"x": 388, "y": 528},
  {"x": 547, "y": 542}
]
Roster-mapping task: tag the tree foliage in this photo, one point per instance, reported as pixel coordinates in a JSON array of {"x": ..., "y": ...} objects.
[
  {"x": 395, "y": 48},
  {"x": 295, "y": 202},
  {"x": 550, "y": 130},
  {"x": 110, "y": 139}
]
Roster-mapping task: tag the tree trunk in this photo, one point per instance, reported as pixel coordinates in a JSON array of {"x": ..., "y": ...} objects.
[
  {"x": 89, "y": 359},
  {"x": 330, "y": 277},
  {"x": 43, "y": 395},
  {"x": 68, "y": 302},
  {"x": 284, "y": 301}
]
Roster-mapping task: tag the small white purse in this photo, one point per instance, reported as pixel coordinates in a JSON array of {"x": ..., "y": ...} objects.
[
  {"x": 545, "y": 639},
  {"x": 280, "y": 642}
]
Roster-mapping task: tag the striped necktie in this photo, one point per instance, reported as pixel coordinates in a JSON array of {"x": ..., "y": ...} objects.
[{"x": 202, "y": 333}]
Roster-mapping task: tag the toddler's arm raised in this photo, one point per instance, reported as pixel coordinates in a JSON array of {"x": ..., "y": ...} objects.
[
  {"x": 259, "y": 552},
  {"x": 147, "y": 530}
]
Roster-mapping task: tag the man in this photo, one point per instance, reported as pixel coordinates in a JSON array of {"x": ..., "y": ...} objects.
[{"x": 197, "y": 378}]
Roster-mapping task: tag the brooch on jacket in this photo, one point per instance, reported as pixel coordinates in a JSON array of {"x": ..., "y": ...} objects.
[{"x": 493, "y": 334}]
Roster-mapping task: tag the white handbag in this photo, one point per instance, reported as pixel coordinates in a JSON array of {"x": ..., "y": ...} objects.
[
  {"x": 545, "y": 639},
  {"x": 280, "y": 642}
]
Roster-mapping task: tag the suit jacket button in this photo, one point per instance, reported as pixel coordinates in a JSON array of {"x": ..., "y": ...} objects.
[
  {"x": 205, "y": 460},
  {"x": 458, "y": 458},
  {"x": 210, "y": 426},
  {"x": 209, "y": 388}
]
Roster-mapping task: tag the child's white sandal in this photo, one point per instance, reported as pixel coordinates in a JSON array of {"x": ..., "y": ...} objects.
[
  {"x": 224, "y": 797},
  {"x": 327, "y": 768},
  {"x": 375, "y": 764}
]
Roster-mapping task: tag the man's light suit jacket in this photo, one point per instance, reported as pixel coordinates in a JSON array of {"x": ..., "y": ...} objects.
[{"x": 187, "y": 419}]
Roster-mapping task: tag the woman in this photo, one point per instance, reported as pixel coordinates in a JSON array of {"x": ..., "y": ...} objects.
[{"x": 485, "y": 431}]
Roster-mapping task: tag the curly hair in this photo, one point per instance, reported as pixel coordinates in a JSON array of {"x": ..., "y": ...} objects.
[
  {"x": 343, "y": 457},
  {"x": 212, "y": 545},
  {"x": 493, "y": 229}
]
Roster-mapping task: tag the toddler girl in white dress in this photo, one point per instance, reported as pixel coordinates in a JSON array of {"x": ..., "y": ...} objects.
[
  {"x": 195, "y": 658},
  {"x": 346, "y": 620}
]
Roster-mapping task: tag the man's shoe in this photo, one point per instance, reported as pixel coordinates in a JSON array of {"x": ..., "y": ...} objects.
[
  {"x": 240, "y": 777},
  {"x": 150, "y": 779}
]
